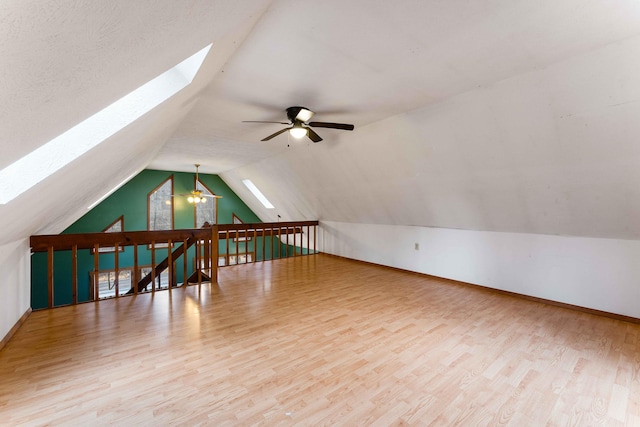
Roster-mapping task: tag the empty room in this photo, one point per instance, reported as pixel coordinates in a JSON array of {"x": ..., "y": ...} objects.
[{"x": 283, "y": 212}]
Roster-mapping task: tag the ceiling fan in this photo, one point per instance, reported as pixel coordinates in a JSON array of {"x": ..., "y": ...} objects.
[
  {"x": 197, "y": 196},
  {"x": 299, "y": 121}
]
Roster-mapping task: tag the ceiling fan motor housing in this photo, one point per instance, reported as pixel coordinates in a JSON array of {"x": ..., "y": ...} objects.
[{"x": 292, "y": 113}]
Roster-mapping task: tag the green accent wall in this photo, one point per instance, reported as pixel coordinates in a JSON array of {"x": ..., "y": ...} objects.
[{"x": 130, "y": 201}]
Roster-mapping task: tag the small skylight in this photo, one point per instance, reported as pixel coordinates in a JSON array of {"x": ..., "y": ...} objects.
[
  {"x": 47, "y": 159},
  {"x": 254, "y": 190}
]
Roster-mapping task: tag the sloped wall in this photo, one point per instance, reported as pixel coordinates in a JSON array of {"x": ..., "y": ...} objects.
[
  {"x": 14, "y": 284},
  {"x": 553, "y": 151}
]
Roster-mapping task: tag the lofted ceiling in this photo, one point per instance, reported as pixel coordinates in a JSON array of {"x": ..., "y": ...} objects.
[{"x": 487, "y": 115}]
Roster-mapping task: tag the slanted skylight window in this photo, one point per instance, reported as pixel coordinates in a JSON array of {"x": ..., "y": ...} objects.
[
  {"x": 63, "y": 149},
  {"x": 254, "y": 190}
]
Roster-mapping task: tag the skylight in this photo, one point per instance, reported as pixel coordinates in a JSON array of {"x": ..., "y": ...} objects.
[
  {"x": 63, "y": 149},
  {"x": 254, "y": 190}
]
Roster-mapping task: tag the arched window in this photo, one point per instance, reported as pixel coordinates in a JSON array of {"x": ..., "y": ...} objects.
[{"x": 160, "y": 206}]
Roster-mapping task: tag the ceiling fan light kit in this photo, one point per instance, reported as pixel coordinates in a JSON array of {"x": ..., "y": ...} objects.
[
  {"x": 196, "y": 196},
  {"x": 298, "y": 132},
  {"x": 299, "y": 120}
]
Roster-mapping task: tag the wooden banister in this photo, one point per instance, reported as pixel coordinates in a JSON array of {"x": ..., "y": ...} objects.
[
  {"x": 59, "y": 242},
  {"x": 121, "y": 249}
]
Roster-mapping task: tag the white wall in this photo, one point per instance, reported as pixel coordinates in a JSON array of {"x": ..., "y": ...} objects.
[
  {"x": 601, "y": 274},
  {"x": 15, "y": 284}
]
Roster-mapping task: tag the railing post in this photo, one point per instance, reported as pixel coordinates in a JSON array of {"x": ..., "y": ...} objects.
[
  {"x": 50, "y": 276},
  {"x": 74, "y": 273},
  {"x": 169, "y": 266},
  {"x": 184, "y": 263},
  {"x": 214, "y": 254},
  {"x": 116, "y": 262},
  {"x": 226, "y": 254},
  {"x": 255, "y": 245},
  {"x": 136, "y": 273},
  {"x": 237, "y": 247},
  {"x": 199, "y": 262},
  {"x": 272, "y": 254},
  {"x": 153, "y": 267},
  {"x": 206, "y": 257},
  {"x": 96, "y": 272},
  {"x": 279, "y": 242}
]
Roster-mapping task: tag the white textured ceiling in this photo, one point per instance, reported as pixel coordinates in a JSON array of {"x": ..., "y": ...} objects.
[
  {"x": 364, "y": 61},
  {"x": 506, "y": 115}
]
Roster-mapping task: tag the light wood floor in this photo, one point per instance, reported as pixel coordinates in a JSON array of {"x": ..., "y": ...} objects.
[{"x": 320, "y": 340}]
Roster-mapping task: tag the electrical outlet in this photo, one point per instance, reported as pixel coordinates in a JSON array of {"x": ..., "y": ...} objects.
[{"x": 416, "y": 246}]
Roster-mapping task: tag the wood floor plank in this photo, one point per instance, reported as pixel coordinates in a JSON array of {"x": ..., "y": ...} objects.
[{"x": 320, "y": 340}]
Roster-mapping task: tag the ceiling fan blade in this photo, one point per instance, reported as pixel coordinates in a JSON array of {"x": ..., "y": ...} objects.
[
  {"x": 260, "y": 121},
  {"x": 275, "y": 134},
  {"x": 343, "y": 126},
  {"x": 313, "y": 136}
]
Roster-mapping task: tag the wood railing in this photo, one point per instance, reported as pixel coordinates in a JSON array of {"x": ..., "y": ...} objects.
[{"x": 67, "y": 268}]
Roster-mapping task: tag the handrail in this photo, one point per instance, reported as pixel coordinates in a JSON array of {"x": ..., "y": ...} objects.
[
  {"x": 241, "y": 243},
  {"x": 59, "y": 242}
]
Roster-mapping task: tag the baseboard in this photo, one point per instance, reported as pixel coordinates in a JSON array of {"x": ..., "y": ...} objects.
[
  {"x": 13, "y": 330},
  {"x": 615, "y": 316}
]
